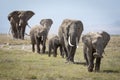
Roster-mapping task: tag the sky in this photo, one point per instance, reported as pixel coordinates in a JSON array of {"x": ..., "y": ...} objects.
[{"x": 96, "y": 15}]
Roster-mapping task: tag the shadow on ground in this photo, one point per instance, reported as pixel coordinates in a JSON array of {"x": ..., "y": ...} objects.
[
  {"x": 110, "y": 71},
  {"x": 80, "y": 63}
]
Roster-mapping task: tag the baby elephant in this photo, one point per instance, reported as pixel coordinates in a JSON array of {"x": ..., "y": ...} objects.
[
  {"x": 53, "y": 45},
  {"x": 94, "y": 45}
]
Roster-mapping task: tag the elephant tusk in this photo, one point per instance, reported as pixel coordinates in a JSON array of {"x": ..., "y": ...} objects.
[
  {"x": 77, "y": 42},
  {"x": 19, "y": 24},
  {"x": 69, "y": 41}
]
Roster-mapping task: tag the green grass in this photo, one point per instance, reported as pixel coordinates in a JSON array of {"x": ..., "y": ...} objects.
[{"x": 17, "y": 64}]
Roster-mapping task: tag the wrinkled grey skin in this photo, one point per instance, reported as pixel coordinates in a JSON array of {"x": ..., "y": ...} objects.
[
  {"x": 18, "y": 21},
  {"x": 38, "y": 34},
  {"x": 94, "y": 45},
  {"x": 54, "y": 44},
  {"x": 69, "y": 35}
]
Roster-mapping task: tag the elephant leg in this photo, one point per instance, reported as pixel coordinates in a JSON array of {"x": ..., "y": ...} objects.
[
  {"x": 22, "y": 26},
  {"x": 65, "y": 51},
  {"x": 97, "y": 65},
  {"x": 49, "y": 52},
  {"x": 55, "y": 51},
  {"x": 61, "y": 52},
  {"x": 85, "y": 57},
  {"x": 90, "y": 61},
  {"x": 19, "y": 31},
  {"x": 23, "y": 32},
  {"x": 13, "y": 28},
  {"x": 38, "y": 45},
  {"x": 69, "y": 58},
  {"x": 33, "y": 47},
  {"x": 38, "y": 48},
  {"x": 44, "y": 46},
  {"x": 14, "y": 31},
  {"x": 85, "y": 53},
  {"x": 14, "y": 34},
  {"x": 72, "y": 53}
]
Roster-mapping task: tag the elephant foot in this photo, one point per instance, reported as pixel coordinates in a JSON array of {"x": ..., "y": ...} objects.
[
  {"x": 97, "y": 70},
  {"x": 62, "y": 56},
  {"x": 90, "y": 69},
  {"x": 54, "y": 55},
  {"x": 33, "y": 51},
  {"x": 43, "y": 51},
  {"x": 38, "y": 52},
  {"x": 70, "y": 62},
  {"x": 49, "y": 55}
]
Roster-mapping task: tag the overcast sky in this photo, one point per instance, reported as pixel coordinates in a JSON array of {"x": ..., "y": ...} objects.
[{"x": 96, "y": 15}]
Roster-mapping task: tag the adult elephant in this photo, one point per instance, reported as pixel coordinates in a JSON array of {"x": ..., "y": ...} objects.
[
  {"x": 94, "y": 45},
  {"x": 69, "y": 34},
  {"x": 38, "y": 34},
  {"x": 18, "y": 21}
]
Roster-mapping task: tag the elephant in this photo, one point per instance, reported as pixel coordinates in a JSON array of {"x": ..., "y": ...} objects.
[
  {"x": 54, "y": 44},
  {"x": 94, "y": 45},
  {"x": 18, "y": 21},
  {"x": 69, "y": 35},
  {"x": 39, "y": 33}
]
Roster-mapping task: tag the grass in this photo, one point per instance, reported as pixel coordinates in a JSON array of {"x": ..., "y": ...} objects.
[
  {"x": 17, "y": 64},
  {"x": 7, "y": 39}
]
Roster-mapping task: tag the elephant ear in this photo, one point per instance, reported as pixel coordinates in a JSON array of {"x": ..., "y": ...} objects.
[
  {"x": 26, "y": 15},
  {"x": 106, "y": 38},
  {"x": 13, "y": 14},
  {"x": 86, "y": 39},
  {"x": 66, "y": 27}
]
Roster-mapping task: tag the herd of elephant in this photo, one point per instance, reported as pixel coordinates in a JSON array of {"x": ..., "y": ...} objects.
[{"x": 67, "y": 40}]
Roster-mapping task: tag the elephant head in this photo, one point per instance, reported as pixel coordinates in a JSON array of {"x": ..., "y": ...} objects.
[
  {"x": 69, "y": 33},
  {"x": 46, "y": 23},
  {"x": 96, "y": 42}
]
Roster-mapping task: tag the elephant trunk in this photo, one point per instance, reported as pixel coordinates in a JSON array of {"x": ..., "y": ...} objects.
[
  {"x": 73, "y": 41},
  {"x": 98, "y": 53}
]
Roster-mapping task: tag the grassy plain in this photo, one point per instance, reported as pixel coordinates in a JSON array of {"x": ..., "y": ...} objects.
[{"x": 21, "y": 64}]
